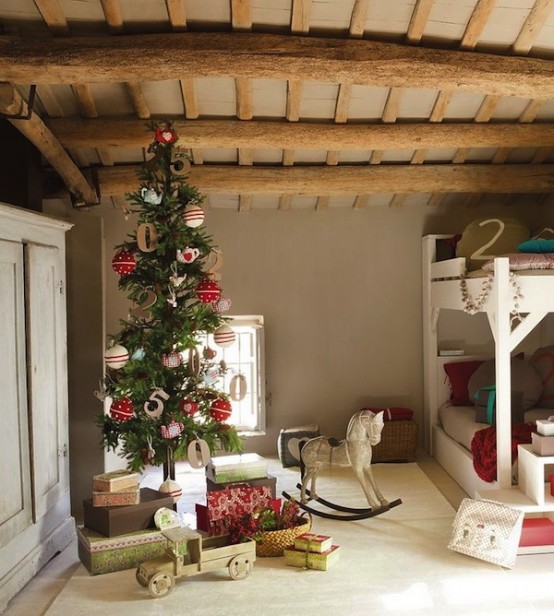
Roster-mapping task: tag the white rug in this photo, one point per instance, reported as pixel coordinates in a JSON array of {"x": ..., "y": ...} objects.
[{"x": 393, "y": 564}]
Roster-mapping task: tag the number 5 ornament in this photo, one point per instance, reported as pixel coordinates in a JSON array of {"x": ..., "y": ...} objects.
[{"x": 154, "y": 406}]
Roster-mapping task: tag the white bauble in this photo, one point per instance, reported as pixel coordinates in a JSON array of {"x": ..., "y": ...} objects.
[
  {"x": 172, "y": 488},
  {"x": 116, "y": 356},
  {"x": 224, "y": 336}
]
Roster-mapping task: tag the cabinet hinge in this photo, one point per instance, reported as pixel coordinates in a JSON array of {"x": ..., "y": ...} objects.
[
  {"x": 60, "y": 287},
  {"x": 62, "y": 451}
]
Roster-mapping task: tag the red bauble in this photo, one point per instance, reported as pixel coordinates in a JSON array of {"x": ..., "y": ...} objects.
[
  {"x": 220, "y": 409},
  {"x": 124, "y": 262},
  {"x": 164, "y": 134},
  {"x": 122, "y": 409},
  {"x": 208, "y": 291},
  {"x": 188, "y": 407}
]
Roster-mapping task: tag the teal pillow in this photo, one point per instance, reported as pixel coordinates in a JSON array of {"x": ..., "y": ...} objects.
[{"x": 536, "y": 245}]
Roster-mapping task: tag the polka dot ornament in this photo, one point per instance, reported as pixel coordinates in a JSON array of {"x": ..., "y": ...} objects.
[
  {"x": 207, "y": 291},
  {"x": 193, "y": 216},
  {"x": 220, "y": 409},
  {"x": 224, "y": 336},
  {"x": 116, "y": 356},
  {"x": 124, "y": 262},
  {"x": 188, "y": 406},
  {"x": 122, "y": 409}
]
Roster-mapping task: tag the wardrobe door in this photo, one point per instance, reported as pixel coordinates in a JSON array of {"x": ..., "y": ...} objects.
[
  {"x": 47, "y": 376},
  {"x": 15, "y": 500}
]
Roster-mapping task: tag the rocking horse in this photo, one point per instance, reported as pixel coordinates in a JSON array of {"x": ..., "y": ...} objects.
[{"x": 363, "y": 433}]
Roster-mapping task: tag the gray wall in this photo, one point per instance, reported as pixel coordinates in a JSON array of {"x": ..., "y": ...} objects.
[{"x": 340, "y": 292}]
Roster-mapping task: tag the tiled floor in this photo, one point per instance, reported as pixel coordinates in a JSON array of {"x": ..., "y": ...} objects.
[{"x": 41, "y": 591}]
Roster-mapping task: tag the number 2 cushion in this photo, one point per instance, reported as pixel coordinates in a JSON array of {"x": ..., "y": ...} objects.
[{"x": 486, "y": 238}]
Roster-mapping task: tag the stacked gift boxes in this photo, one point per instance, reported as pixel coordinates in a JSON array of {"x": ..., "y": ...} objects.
[
  {"x": 235, "y": 486},
  {"x": 311, "y": 551},
  {"x": 120, "y": 536},
  {"x": 543, "y": 439}
]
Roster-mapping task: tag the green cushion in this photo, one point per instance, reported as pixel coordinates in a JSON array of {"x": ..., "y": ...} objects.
[{"x": 536, "y": 245}]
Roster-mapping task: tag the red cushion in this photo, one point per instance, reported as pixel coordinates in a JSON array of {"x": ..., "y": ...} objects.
[
  {"x": 459, "y": 373},
  {"x": 393, "y": 413}
]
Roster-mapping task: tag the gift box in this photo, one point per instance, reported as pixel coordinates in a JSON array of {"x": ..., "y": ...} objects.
[
  {"x": 270, "y": 482},
  {"x": 242, "y": 467},
  {"x": 313, "y": 542},
  {"x": 115, "y": 481},
  {"x": 542, "y": 445},
  {"x": 312, "y": 560},
  {"x": 101, "y": 554},
  {"x": 485, "y": 406},
  {"x": 536, "y": 532},
  {"x": 127, "y": 496},
  {"x": 545, "y": 427},
  {"x": 231, "y": 504},
  {"x": 119, "y": 520}
]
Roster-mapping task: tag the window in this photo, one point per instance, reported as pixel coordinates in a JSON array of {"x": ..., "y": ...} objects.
[{"x": 245, "y": 357}]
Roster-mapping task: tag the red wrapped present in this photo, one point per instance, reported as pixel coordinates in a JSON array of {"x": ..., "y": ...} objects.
[
  {"x": 393, "y": 413},
  {"x": 230, "y": 504}
]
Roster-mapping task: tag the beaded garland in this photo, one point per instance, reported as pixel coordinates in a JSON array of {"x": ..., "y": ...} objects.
[{"x": 475, "y": 305}]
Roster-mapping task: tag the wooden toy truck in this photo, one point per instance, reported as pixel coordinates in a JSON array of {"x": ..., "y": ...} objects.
[{"x": 188, "y": 553}]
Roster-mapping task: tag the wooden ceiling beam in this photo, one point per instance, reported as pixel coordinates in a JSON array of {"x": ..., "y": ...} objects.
[
  {"x": 347, "y": 180},
  {"x": 268, "y": 56},
  {"x": 111, "y": 132},
  {"x": 42, "y": 138}
]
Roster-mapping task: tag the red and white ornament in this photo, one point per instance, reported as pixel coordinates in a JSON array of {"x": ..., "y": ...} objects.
[
  {"x": 116, "y": 356},
  {"x": 223, "y": 304},
  {"x": 124, "y": 262},
  {"x": 172, "y": 360},
  {"x": 171, "y": 488},
  {"x": 188, "y": 407},
  {"x": 164, "y": 134},
  {"x": 208, "y": 291},
  {"x": 221, "y": 409},
  {"x": 193, "y": 216},
  {"x": 172, "y": 430},
  {"x": 224, "y": 336},
  {"x": 122, "y": 409}
]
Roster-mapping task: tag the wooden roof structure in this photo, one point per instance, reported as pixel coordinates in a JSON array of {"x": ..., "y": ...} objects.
[{"x": 288, "y": 104}]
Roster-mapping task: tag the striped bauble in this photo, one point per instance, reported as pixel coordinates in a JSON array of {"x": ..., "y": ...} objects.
[
  {"x": 224, "y": 336},
  {"x": 193, "y": 215},
  {"x": 116, "y": 356}
]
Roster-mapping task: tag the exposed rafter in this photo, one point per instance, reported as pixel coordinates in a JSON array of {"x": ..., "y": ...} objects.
[
  {"x": 122, "y": 58},
  {"x": 349, "y": 180}
]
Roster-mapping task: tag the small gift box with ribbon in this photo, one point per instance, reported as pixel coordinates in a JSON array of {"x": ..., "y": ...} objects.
[
  {"x": 312, "y": 560},
  {"x": 313, "y": 543}
]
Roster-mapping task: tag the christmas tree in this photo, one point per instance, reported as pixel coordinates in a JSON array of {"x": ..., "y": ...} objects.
[{"x": 159, "y": 380}]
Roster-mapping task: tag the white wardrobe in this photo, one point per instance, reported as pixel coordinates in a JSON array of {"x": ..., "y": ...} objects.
[{"x": 35, "y": 519}]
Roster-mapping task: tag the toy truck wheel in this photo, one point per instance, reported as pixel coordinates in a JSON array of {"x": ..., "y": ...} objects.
[
  {"x": 140, "y": 579},
  {"x": 161, "y": 584},
  {"x": 240, "y": 567}
]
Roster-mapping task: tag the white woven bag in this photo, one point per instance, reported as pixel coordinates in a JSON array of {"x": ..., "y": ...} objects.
[{"x": 487, "y": 530}]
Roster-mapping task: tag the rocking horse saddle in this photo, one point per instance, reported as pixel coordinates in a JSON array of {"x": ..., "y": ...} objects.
[{"x": 335, "y": 442}]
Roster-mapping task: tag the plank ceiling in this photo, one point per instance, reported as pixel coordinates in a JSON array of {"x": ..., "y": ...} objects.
[{"x": 289, "y": 103}]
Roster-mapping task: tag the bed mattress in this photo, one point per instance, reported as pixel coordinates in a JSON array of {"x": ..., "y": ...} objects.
[{"x": 459, "y": 421}]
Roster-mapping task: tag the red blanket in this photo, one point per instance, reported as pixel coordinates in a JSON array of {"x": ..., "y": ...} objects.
[{"x": 483, "y": 448}]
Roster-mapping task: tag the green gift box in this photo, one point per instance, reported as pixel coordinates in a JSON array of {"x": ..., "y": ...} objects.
[
  {"x": 312, "y": 560},
  {"x": 102, "y": 554}
]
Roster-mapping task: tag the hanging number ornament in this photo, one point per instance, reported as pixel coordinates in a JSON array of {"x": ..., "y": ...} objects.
[
  {"x": 193, "y": 362},
  {"x": 154, "y": 406},
  {"x": 224, "y": 336},
  {"x": 147, "y": 237},
  {"x": 147, "y": 298},
  {"x": 213, "y": 263},
  {"x": 180, "y": 164},
  {"x": 116, "y": 356},
  {"x": 207, "y": 291},
  {"x": 193, "y": 216},
  {"x": 122, "y": 409},
  {"x": 124, "y": 262},
  {"x": 237, "y": 387},
  {"x": 198, "y": 453}
]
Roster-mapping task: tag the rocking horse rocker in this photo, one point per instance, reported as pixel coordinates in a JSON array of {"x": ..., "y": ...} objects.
[{"x": 363, "y": 432}]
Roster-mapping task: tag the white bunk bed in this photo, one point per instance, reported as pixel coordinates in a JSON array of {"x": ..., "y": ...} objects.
[{"x": 441, "y": 290}]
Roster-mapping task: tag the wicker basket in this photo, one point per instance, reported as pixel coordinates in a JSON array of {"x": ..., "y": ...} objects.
[
  {"x": 274, "y": 542},
  {"x": 398, "y": 442}
]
